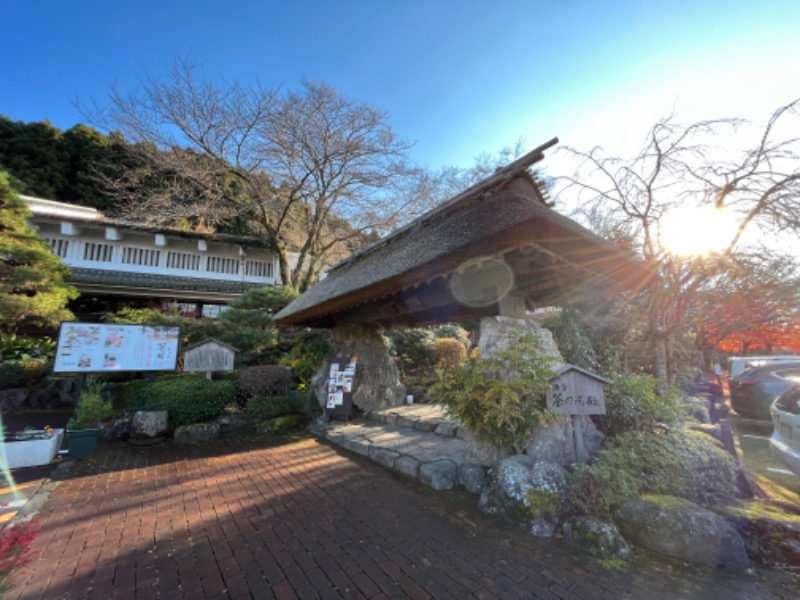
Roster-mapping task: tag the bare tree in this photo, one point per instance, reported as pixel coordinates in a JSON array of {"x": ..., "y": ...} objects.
[
  {"x": 289, "y": 164},
  {"x": 677, "y": 167}
]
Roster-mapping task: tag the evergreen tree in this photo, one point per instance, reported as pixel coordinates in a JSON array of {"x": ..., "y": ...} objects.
[{"x": 33, "y": 291}]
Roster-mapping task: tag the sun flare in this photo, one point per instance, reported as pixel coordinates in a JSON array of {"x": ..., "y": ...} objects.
[{"x": 696, "y": 230}]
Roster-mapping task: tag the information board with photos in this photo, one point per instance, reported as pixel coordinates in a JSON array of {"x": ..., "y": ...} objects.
[
  {"x": 97, "y": 347},
  {"x": 341, "y": 384}
]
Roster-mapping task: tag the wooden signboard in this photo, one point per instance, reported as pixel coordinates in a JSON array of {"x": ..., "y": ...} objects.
[
  {"x": 209, "y": 356},
  {"x": 341, "y": 385},
  {"x": 576, "y": 392}
]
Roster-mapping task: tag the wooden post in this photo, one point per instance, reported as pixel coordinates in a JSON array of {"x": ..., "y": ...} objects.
[{"x": 580, "y": 446}]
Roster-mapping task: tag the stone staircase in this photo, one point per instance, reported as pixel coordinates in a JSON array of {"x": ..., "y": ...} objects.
[{"x": 416, "y": 439}]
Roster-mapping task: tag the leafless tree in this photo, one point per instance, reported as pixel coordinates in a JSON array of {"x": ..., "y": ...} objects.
[
  {"x": 308, "y": 170},
  {"x": 681, "y": 166}
]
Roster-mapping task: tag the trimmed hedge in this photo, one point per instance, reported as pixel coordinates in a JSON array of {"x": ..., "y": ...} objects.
[
  {"x": 261, "y": 408},
  {"x": 189, "y": 398},
  {"x": 24, "y": 371},
  {"x": 265, "y": 380}
]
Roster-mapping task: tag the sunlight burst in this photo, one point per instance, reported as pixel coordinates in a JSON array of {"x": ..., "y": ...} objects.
[{"x": 696, "y": 230}]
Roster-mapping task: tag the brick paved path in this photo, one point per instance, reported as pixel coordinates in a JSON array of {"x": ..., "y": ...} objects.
[{"x": 243, "y": 519}]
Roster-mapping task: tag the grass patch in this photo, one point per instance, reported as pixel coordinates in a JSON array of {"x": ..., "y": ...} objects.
[{"x": 760, "y": 509}]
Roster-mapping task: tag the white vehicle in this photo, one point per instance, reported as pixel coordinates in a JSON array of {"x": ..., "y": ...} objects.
[{"x": 785, "y": 440}]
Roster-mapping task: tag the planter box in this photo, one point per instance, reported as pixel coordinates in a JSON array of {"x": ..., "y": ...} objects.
[
  {"x": 31, "y": 453},
  {"x": 82, "y": 442}
]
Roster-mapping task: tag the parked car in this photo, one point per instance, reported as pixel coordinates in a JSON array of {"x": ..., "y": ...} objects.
[
  {"x": 755, "y": 389},
  {"x": 785, "y": 440},
  {"x": 740, "y": 363}
]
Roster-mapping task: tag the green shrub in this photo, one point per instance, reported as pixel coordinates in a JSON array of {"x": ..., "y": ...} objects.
[
  {"x": 678, "y": 463},
  {"x": 188, "y": 398},
  {"x": 413, "y": 346},
  {"x": 261, "y": 408},
  {"x": 452, "y": 330},
  {"x": 448, "y": 353},
  {"x": 265, "y": 380},
  {"x": 633, "y": 404},
  {"x": 500, "y": 397},
  {"x": 24, "y": 371},
  {"x": 18, "y": 347},
  {"x": 92, "y": 411},
  {"x": 306, "y": 356}
]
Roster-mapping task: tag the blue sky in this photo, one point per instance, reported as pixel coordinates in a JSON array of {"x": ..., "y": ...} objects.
[{"x": 459, "y": 77}]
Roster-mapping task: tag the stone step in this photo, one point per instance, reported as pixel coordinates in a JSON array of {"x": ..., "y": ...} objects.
[
  {"x": 428, "y": 418},
  {"x": 439, "y": 461}
]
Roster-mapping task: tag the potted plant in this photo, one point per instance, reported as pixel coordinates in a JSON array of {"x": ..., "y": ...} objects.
[
  {"x": 83, "y": 431},
  {"x": 31, "y": 447}
]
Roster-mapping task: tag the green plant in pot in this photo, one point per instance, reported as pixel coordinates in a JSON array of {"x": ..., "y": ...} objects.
[{"x": 83, "y": 431}]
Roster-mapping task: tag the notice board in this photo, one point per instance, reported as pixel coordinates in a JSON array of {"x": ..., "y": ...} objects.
[
  {"x": 97, "y": 348},
  {"x": 341, "y": 385}
]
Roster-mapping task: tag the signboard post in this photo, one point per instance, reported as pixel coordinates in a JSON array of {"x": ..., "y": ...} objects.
[
  {"x": 99, "y": 348},
  {"x": 575, "y": 391}
]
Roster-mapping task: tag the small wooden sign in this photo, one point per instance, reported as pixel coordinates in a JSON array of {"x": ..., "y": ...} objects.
[
  {"x": 209, "y": 355},
  {"x": 576, "y": 391}
]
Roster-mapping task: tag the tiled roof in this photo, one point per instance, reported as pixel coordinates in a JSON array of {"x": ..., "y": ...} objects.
[
  {"x": 62, "y": 211},
  {"x": 158, "y": 282}
]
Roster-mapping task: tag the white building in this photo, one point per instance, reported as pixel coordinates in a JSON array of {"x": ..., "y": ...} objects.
[{"x": 118, "y": 263}]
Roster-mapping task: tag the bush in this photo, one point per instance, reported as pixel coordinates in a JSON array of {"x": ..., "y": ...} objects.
[
  {"x": 265, "y": 380},
  {"x": 17, "y": 347},
  {"x": 448, "y": 353},
  {"x": 678, "y": 463},
  {"x": 262, "y": 408},
  {"x": 500, "y": 397},
  {"x": 632, "y": 404},
  {"x": 93, "y": 411},
  {"x": 24, "y": 371},
  {"x": 306, "y": 356},
  {"x": 414, "y": 346},
  {"x": 451, "y": 330},
  {"x": 188, "y": 398}
]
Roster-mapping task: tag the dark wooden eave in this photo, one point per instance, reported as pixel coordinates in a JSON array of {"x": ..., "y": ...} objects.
[{"x": 406, "y": 279}]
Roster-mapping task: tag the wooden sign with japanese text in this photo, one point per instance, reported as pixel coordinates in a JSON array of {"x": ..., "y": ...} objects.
[{"x": 576, "y": 392}]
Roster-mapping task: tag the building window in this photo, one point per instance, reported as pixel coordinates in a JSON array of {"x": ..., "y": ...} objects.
[
  {"x": 97, "y": 252},
  {"x": 140, "y": 256},
  {"x": 212, "y": 311},
  {"x": 59, "y": 247},
  {"x": 223, "y": 265},
  {"x": 183, "y": 260},
  {"x": 258, "y": 268}
]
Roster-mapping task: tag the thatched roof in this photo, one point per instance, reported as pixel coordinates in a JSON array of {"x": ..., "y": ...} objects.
[{"x": 416, "y": 275}]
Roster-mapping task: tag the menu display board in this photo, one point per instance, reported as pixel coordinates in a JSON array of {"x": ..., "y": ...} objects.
[
  {"x": 95, "y": 347},
  {"x": 341, "y": 384}
]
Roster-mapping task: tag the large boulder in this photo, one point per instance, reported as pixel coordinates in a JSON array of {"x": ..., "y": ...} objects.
[
  {"x": 479, "y": 450},
  {"x": 377, "y": 382},
  {"x": 498, "y": 333},
  {"x": 599, "y": 538},
  {"x": 769, "y": 541},
  {"x": 149, "y": 424},
  {"x": 556, "y": 443},
  {"x": 683, "y": 530},
  {"x": 527, "y": 493}
]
